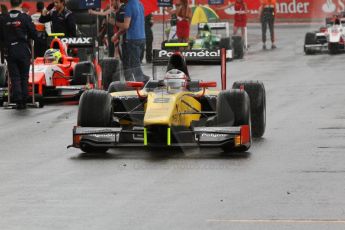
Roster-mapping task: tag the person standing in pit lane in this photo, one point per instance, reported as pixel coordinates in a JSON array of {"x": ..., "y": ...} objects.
[
  {"x": 184, "y": 17},
  {"x": 3, "y": 12},
  {"x": 149, "y": 39},
  {"x": 110, "y": 19},
  {"x": 62, "y": 19},
  {"x": 120, "y": 39},
  {"x": 240, "y": 17},
  {"x": 267, "y": 16},
  {"x": 42, "y": 31},
  {"x": 16, "y": 30},
  {"x": 134, "y": 24}
]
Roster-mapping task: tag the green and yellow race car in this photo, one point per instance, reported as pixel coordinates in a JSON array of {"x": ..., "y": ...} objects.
[
  {"x": 212, "y": 37},
  {"x": 172, "y": 112}
]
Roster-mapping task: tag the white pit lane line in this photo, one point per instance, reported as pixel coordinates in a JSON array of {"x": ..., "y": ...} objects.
[{"x": 278, "y": 221}]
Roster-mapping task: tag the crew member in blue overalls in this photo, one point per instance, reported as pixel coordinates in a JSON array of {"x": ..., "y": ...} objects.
[{"x": 16, "y": 30}]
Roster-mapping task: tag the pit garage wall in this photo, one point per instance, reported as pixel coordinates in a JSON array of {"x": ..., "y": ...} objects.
[{"x": 287, "y": 10}]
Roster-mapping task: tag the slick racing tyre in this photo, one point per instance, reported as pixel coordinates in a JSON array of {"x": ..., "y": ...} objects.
[
  {"x": 310, "y": 39},
  {"x": 82, "y": 71},
  {"x": 225, "y": 43},
  {"x": 233, "y": 109},
  {"x": 3, "y": 71},
  {"x": 95, "y": 110},
  {"x": 257, "y": 95},
  {"x": 110, "y": 71},
  {"x": 238, "y": 47},
  {"x": 333, "y": 48}
]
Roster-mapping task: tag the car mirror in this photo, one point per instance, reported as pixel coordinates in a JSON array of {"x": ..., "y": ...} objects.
[
  {"x": 206, "y": 84},
  {"x": 135, "y": 84}
]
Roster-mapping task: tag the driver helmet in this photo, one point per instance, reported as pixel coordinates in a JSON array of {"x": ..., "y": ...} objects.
[
  {"x": 206, "y": 28},
  {"x": 205, "y": 32},
  {"x": 52, "y": 56},
  {"x": 175, "y": 79}
]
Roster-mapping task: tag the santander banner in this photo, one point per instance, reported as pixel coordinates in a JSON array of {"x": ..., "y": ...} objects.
[{"x": 286, "y": 10}]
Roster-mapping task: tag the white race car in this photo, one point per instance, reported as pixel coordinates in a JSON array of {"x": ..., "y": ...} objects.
[{"x": 330, "y": 38}]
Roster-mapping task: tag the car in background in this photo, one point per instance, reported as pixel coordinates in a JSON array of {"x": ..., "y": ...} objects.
[
  {"x": 212, "y": 37},
  {"x": 329, "y": 38}
]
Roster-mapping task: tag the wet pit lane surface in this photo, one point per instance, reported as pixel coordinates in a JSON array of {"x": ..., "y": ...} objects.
[{"x": 292, "y": 178}]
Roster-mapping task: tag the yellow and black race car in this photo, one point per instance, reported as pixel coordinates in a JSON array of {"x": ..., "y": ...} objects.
[{"x": 173, "y": 112}]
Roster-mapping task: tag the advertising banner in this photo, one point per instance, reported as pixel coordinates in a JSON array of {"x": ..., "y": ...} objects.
[{"x": 286, "y": 10}]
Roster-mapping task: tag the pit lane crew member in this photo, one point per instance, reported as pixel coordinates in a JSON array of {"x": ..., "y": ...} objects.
[
  {"x": 42, "y": 31},
  {"x": 149, "y": 39},
  {"x": 62, "y": 19},
  {"x": 3, "y": 11},
  {"x": 135, "y": 36},
  {"x": 18, "y": 28},
  {"x": 267, "y": 15}
]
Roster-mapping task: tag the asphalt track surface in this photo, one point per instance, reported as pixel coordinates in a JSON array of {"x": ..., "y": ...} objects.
[{"x": 292, "y": 178}]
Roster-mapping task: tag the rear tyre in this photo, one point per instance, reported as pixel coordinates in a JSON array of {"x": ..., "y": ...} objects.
[
  {"x": 82, "y": 71},
  {"x": 110, "y": 71},
  {"x": 257, "y": 95},
  {"x": 238, "y": 47},
  {"x": 333, "y": 48},
  {"x": 310, "y": 39},
  {"x": 233, "y": 109},
  {"x": 95, "y": 110},
  {"x": 225, "y": 43}
]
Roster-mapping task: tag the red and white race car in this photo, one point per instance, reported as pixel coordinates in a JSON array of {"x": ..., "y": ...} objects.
[
  {"x": 59, "y": 75},
  {"x": 330, "y": 38}
]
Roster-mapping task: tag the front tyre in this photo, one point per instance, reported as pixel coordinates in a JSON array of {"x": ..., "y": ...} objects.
[
  {"x": 238, "y": 47},
  {"x": 95, "y": 110},
  {"x": 310, "y": 39}
]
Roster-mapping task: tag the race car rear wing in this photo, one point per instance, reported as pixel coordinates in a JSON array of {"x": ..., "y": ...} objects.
[
  {"x": 79, "y": 42},
  {"x": 193, "y": 57},
  {"x": 215, "y": 26},
  {"x": 72, "y": 42}
]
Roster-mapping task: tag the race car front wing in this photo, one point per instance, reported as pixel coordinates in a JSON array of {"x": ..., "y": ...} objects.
[{"x": 141, "y": 136}]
